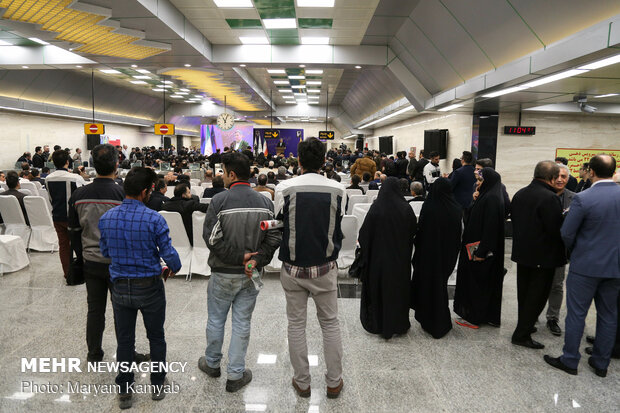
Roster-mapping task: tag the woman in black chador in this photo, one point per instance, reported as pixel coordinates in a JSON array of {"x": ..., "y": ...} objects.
[
  {"x": 386, "y": 240},
  {"x": 437, "y": 245},
  {"x": 478, "y": 295}
]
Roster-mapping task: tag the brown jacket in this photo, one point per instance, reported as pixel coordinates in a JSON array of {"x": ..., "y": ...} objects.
[{"x": 363, "y": 165}]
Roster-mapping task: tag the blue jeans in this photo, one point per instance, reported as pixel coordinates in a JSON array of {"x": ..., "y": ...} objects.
[
  {"x": 224, "y": 291},
  {"x": 148, "y": 296},
  {"x": 580, "y": 291}
]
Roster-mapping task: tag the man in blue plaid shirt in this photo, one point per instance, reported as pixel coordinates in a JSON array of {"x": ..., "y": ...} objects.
[{"x": 135, "y": 237}]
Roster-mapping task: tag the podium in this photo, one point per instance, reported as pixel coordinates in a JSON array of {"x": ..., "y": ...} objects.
[{"x": 280, "y": 149}]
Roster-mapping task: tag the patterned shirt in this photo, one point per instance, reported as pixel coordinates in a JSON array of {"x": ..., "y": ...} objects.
[
  {"x": 309, "y": 272},
  {"x": 134, "y": 237}
]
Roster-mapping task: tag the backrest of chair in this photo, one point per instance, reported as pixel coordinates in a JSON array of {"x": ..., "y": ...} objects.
[
  {"x": 198, "y": 221},
  {"x": 38, "y": 211},
  {"x": 31, "y": 187},
  {"x": 266, "y": 194},
  {"x": 205, "y": 200},
  {"x": 38, "y": 185},
  {"x": 351, "y": 192},
  {"x": 372, "y": 192},
  {"x": 197, "y": 190},
  {"x": 170, "y": 191},
  {"x": 177, "y": 230},
  {"x": 360, "y": 212},
  {"x": 417, "y": 207},
  {"x": 349, "y": 230},
  {"x": 194, "y": 182},
  {"x": 26, "y": 191},
  {"x": 353, "y": 200},
  {"x": 11, "y": 211},
  {"x": 272, "y": 186}
]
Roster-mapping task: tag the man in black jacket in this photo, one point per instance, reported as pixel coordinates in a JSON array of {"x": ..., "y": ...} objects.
[
  {"x": 158, "y": 197},
  {"x": 218, "y": 186},
  {"x": 537, "y": 248},
  {"x": 418, "y": 171},
  {"x": 37, "y": 160},
  {"x": 184, "y": 204}
]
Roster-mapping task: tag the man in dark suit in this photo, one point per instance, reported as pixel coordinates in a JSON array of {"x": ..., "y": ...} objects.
[
  {"x": 158, "y": 196},
  {"x": 37, "y": 160},
  {"x": 463, "y": 180},
  {"x": 218, "y": 186},
  {"x": 12, "y": 181},
  {"x": 184, "y": 204},
  {"x": 556, "y": 294},
  {"x": 537, "y": 248},
  {"x": 590, "y": 234}
]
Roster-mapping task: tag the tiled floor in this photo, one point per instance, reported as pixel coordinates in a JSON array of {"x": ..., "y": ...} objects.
[{"x": 466, "y": 371}]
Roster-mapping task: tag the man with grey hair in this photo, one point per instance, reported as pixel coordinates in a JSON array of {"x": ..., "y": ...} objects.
[
  {"x": 557, "y": 287},
  {"x": 537, "y": 248},
  {"x": 417, "y": 191}
]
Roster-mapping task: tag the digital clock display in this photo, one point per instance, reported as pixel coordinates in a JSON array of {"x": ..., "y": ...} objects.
[{"x": 519, "y": 130}]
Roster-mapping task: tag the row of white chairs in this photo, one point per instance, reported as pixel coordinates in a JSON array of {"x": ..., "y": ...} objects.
[{"x": 40, "y": 235}]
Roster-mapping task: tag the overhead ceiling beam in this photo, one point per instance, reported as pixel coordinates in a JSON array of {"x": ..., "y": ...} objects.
[
  {"x": 243, "y": 74},
  {"x": 14, "y": 57},
  {"x": 411, "y": 87}
]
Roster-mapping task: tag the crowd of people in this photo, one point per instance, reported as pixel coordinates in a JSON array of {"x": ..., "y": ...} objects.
[{"x": 423, "y": 226}]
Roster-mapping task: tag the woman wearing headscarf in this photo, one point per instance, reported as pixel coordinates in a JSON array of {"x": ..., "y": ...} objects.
[
  {"x": 478, "y": 295},
  {"x": 437, "y": 245},
  {"x": 386, "y": 240}
]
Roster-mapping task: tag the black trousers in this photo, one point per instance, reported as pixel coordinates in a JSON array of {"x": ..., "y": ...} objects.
[
  {"x": 533, "y": 287},
  {"x": 97, "y": 276}
]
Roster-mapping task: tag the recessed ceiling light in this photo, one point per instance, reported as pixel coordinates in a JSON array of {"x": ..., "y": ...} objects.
[
  {"x": 297, "y": 77},
  {"x": 167, "y": 82},
  {"x": 285, "y": 90},
  {"x": 134, "y": 66},
  {"x": 315, "y": 40},
  {"x": 25, "y": 67},
  {"x": 3, "y": 43},
  {"x": 110, "y": 71},
  {"x": 315, "y": 3},
  {"x": 281, "y": 82},
  {"x": 164, "y": 86},
  {"x": 314, "y": 90},
  {"x": 358, "y": 67},
  {"x": 299, "y": 94},
  {"x": 233, "y": 3},
  {"x": 276, "y": 71},
  {"x": 158, "y": 90},
  {"x": 78, "y": 66},
  {"x": 447, "y": 108},
  {"x": 280, "y": 23},
  {"x": 254, "y": 40},
  {"x": 198, "y": 97},
  {"x": 305, "y": 120},
  {"x": 176, "y": 96},
  {"x": 138, "y": 82},
  {"x": 143, "y": 71},
  {"x": 242, "y": 65},
  {"x": 298, "y": 86},
  {"x": 37, "y": 40},
  {"x": 141, "y": 77},
  {"x": 607, "y": 95},
  {"x": 313, "y": 82},
  {"x": 288, "y": 97},
  {"x": 189, "y": 101},
  {"x": 184, "y": 90},
  {"x": 187, "y": 65},
  {"x": 182, "y": 93},
  {"x": 314, "y": 71}
]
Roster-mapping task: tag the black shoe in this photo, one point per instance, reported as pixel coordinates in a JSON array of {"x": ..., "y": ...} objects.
[
  {"x": 94, "y": 359},
  {"x": 533, "y": 330},
  {"x": 235, "y": 385},
  {"x": 124, "y": 401},
  {"x": 557, "y": 363},
  {"x": 529, "y": 343},
  {"x": 597, "y": 371},
  {"x": 158, "y": 393},
  {"x": 553, "y": 326},
  {"x": 589, "y": 350},
  {"x": 590, "y": 339},
  {"x": 212, "y": 372},
  {"x": 141, "y": 358}
]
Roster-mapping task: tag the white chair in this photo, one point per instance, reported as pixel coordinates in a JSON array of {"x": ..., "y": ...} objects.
[
  {"x": 206, "y": 185},
  {"x": 13, "y": 256},
  {"x": 170, "y": 191},
  {"x": 372, "y": 193},
  {"x": 14, "y": 221},
  {"x": 266, "y": 194},
  {"x": 26, "y": 191},
  {"x": 347, "y": 251},
  {"x": 417, "y": 207},
  {"x": 194, "y": 182},
  {"x": 39, "y": 187},
  {"x": 31, "y": 187},
  {"x": 351, "y": 192},
  {"x": 354, "y": 200},
  {"x": 180, "y": 241},
  {"x": 197, "y": 190},
  {"x": 205, "y": 200},
  {"x": 200, "y": 251},
  {"x": 43, "y": 237},
  {"x": 360, "y": 212},
  {"x": 272, "y": 186}
]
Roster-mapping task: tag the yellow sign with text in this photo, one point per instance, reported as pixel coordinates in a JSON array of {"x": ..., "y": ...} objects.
[
  {"x": 94, "y": 129},
  {"x": 577, "y": 157},
  {"x": 164, "y": 129}
]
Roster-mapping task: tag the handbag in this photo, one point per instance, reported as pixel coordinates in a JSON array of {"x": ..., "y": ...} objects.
[
  {"x": 355, "y": 270},
  {"x": 75, "y": 276}
]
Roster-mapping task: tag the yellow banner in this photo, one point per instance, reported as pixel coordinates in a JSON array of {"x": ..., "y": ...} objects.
[{"x": 577, "y": 157}]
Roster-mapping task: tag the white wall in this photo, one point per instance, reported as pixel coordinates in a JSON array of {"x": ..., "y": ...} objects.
[
  {"x": 410, "y": 133},
  {"x": 21, "y": 133}
]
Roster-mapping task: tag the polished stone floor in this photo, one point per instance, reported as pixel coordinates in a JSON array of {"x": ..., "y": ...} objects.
[{"x": 466, "y": 371}]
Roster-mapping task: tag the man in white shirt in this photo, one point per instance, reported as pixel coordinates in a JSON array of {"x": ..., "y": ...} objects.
[
  {"x": 431, "y": 170},
  {"x": 60, "y": 185}
]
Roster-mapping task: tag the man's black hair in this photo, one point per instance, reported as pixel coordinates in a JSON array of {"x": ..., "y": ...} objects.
[
  {"x": 60, "y": 158},
  {"x": 238, "y": 163},
  {"x": 34, "y": 172},
  {"x": 37, "y": 149},
  {"x": 45, "y": 169},
  {"x": 367, "y": 177},
  {"x": 218, "y": 181},
  {"x": 585, "y": 166},
  {"x": 105, "y": 157},
  {"x": 603, "y": 165},
  {"x": 546, "y": 170},
  {"x": 468, "y": 157},
  {"x": 180, "y": 190},
  {"x": 12, "y": 179},
  {"x": 485, "y": 162},
  {"x": 262, "y": 180},
  {"x": 139, "y": 179},
  {"x": 57, "y": 148},
  {"x": 433, "y": 154},
  {"x": 355, "y": 180},
  {"x": 562, "y": 159},
  {"x": 403, "y": 183},
  {"x": 311, "y": 154},
  {"x": 160, "y": 184}
]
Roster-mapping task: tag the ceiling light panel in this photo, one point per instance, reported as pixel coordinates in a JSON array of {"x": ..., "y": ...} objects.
[
  {"x": 138, "y": 82},
  {"x": 280, "y": 23},
  {"x": 285, "y": 90},
  {"x": 142, "y": 77},
  {"x": 110, "y": 71},
  {"x": 143, "y": 71},
  {"x": 236, "y": 4},
  {"x": 314, "y": 90},
  {"x": 553, "y": 78},
  {"x": 315, "y": 3},
  {"x": 296, "y": 77},
  {"x": 447, "y": 108},
  {"x": 276, "y": 71},
  {"x": 602, "y": 63},
  {"x": 607, "y": 95},
  {"x": 314, "y": 71},
  {"x": 281, "y": 82},
  {"x": 313, "y": 82}
]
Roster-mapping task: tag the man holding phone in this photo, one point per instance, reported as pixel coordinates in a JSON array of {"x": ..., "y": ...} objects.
[{"x": 135, "y": 238}]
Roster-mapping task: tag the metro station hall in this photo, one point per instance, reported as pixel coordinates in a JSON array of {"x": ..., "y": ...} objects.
[{"x": 310, "y": 206}]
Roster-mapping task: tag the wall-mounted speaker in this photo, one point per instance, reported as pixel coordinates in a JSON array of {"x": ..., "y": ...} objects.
[
  {"x": 436, "y": 140},
  {"x": 92, "y": 141},
  {"x": 386, "y": 145}
]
